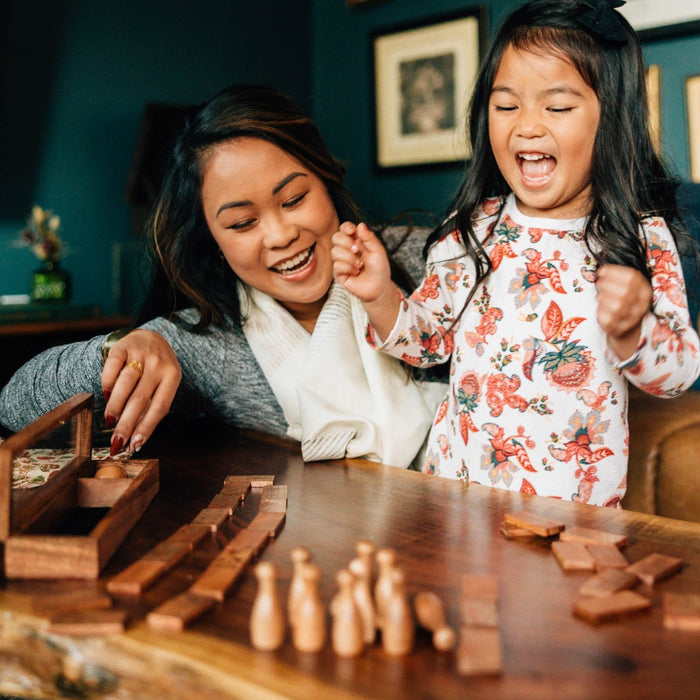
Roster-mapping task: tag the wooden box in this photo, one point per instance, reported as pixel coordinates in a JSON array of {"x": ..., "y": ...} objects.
[{"x": 29, "y": 517}]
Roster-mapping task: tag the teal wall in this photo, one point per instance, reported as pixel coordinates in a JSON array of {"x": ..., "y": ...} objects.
[
  {"x": 75, "y": 76},
  {"x": 342, "y": 85}
]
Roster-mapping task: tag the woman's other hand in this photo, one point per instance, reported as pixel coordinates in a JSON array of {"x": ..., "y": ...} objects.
[{"x": 140, "y": 377}]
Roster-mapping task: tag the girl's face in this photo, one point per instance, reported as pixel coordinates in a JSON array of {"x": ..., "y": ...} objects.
[
  {"x": 273, "y": 220},
  {"x": 543, "y": 119}
]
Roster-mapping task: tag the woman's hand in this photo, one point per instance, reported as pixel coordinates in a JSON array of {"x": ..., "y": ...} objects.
[
  {"x": 361, "y": 265},
  {"x": 624, "y": 298},
  {"x": 140, "y": 377}
]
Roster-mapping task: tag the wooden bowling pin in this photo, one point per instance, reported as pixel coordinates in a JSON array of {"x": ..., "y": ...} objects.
[
  {"x": 430, "y": 613},
  {"x": 386, "y": 557},
  {"x": 309, "y": 629},
  {"x": 347, "y": 634},
  {"x": 365, "y": 550},
  {"x": 300, "y": 556},
  {"x": 363, "y": 598},
  {"x": 398, "y": 628},
  {"x": 267, "y": 625}
]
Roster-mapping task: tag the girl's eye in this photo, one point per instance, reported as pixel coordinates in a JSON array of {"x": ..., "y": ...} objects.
[
  {"x": 558, "y": 110},
  {"x": 503, "y": 108},
  {"x": 294, "y": 200}
]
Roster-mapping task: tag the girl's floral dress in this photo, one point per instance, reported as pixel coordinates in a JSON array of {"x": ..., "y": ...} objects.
[{"x": 537, "y": 401}]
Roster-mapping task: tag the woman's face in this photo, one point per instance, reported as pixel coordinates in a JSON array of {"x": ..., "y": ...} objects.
[{"x": 273, "y": 220}]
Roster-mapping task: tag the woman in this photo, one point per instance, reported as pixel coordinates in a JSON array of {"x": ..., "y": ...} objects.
[{"x": 250, "y": 329}]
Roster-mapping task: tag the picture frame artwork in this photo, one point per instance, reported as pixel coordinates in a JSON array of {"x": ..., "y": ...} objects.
[
  {"x": 423, "y": 78},
  {"x": 692, "y": 94},
  {"x": 652, "y": 18}
]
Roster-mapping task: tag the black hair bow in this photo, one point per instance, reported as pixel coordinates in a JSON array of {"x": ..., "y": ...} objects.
[{"x": 602, "y": 21}]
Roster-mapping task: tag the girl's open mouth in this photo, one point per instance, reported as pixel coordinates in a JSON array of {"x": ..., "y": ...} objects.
[{"x": 536, "y": 167}]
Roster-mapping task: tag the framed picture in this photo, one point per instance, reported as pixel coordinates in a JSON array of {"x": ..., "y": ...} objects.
[
  {"x": 654, "y": 19},
  {"x": 654, "y": 104},
  {"x": 692, "y": 96},
  {"x": 423, "y": 78}
]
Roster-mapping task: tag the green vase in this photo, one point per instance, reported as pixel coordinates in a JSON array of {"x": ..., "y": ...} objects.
[{"x": 50, "y": 283}]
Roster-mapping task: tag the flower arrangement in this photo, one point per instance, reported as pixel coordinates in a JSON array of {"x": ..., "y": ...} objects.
[{"x": 42, "y": 234}]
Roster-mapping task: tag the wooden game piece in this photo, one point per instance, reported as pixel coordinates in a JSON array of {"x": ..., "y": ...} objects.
[
  {"x": 347, "y": 633},
  {"x": 192, "y": 534},
  {"x": 258, "y": 481},
  {"x": 267, "y": 625},
  {"x": 70, "y": 601},
  {"x": 430, "y": 613},
  {"x": 682, "y": 611},
  {"x": 573, "y": 556},
  {"x": 247, "y": 538},
  {"x": 365, "y": 550},
  {"x": 136, "y": 578},
  {"x": 218, "y": 578},
  {"x": 608, "y": 581},
  {"x": 513, "y": 532},
  {"x": 479, "y": 651},
  {"x": 539, "y": 524},
  {"x": 300, "y": 555},
  {"x": 588, "y": 535},
  {"x": 478, "y": 604},
  {"x": 176, "y": 613},
  {"x": 273, "y": 499},
  {"x": 110, "y": 471},
  {"x": 655, "y": 568},
  {"x": 89, "y": 623},
  {"x": 269, "y": 522},
  {"x": 398, "y": 628},
  {"x": 362, "y": 590},
  {"x": 236, "y": 486},
  {"x": 213, "y": 517},
  {"x": 607, "y": 556},
  {"x": 386, "y": 558},
  {"x": 309, "y": 629},
  {"x": 596, "y": 609},
  {"x": 228, "y": 501}
]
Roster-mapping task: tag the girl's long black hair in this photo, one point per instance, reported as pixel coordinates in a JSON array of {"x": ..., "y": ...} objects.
[{"x": 629, "y": 181}]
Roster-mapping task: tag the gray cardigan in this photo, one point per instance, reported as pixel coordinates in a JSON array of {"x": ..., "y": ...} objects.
[{"x": 220, "y": 375}]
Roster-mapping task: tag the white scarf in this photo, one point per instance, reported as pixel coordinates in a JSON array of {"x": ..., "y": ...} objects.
[{"x": 340, "y": 397}]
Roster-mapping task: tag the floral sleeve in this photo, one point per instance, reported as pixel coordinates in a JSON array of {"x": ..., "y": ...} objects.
[
  {"x": 666, "y": 361},
  {"x": 423, "y": 333}
]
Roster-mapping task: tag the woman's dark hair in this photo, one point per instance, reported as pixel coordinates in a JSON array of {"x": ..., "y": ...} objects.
[
  {"x": 188, "y": 270},
  {"x": 629, "y": 181}
]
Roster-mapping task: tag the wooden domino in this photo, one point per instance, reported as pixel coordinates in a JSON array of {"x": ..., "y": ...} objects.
[
  {"x": 177, "y": 612},
  {"x": 213, "y": 517},
  {"x": 273, "y": 499},
  {"x": 540, "y": 525},
  {"x": 655, "y": 568},
  {"x": 228, "y": 501},
  {"x": 70, "y": 601},
  {"x": 588, "y": 535},
  {"x": 270, "y": 522},
  {"x": 682, "y": 611},
  {"x": 513, "y": 532},
  {"x": 89, "y": 623},
  {"x": 601, "y": 609},
  {"x": 607, "y": 556},
  {"x": 608, "y": 581},
  {"x": 222, "y": 573},
  {"x": 479, "y": 651},
  {"x": 573, "y": 556}
]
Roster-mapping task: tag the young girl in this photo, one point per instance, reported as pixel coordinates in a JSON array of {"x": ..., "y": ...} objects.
[{"x": 556, "y": 277}]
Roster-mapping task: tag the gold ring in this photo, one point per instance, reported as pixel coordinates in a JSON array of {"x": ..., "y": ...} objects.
[{"x": 136, "y": 365}]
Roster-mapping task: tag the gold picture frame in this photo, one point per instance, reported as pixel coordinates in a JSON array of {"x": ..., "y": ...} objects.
[
  {"x": 692, "y": 97},
  {"x": 423, "y": 79}
]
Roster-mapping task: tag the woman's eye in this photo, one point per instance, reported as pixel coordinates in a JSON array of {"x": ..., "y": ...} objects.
[
  {"x": 241, "y": 225},
  {"x": 294, "y": 200}
]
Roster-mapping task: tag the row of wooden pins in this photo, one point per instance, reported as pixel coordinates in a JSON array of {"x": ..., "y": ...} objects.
[{"x": 359, "y": 609}]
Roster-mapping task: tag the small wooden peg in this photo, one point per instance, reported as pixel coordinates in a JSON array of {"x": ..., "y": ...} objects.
[
  {"x": 363, "y": 598},
  {"x": 386, "y": 557},
  {"x": 267, "y": 627},
  {"x": 300, "y": 556},
  {"x": 430, "y": 613},
  {"x": 309, "y": 628},
  {"x": 397, "y": 628},
  {"x": 347, "y": 634}
]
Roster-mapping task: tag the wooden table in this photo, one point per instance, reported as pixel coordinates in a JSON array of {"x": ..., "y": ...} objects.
[{"x": 440, "y": 529}]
